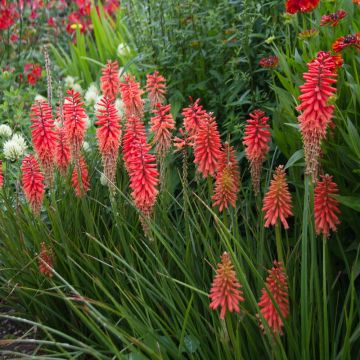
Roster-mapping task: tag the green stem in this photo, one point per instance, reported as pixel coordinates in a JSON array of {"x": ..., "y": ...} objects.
[
  {"x": 279, "y": 242},
  {"x": 326, "y": 325}
]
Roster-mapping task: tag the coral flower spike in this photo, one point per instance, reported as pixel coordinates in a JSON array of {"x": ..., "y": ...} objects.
[
  {"x": 62, "y": 151},
  {"x": 80, "y": 178},
  {"x": 225, "y": 290},
  {"x": 109, "y": 80},
  {"x": 276, "y": 285},
  {"x": 227, "y": 179},
  {"x": 131, "y": 97},
  {"x": 256, "y": 142},
  {"x": 45, "y": 261},
  {"x": 326, "y": 207},
  {"x": 194, "y": 116},
  {"x": 156, "y": 88},
  {"x": 277, "y": 201},
  {"x": 32, "y": 183}
]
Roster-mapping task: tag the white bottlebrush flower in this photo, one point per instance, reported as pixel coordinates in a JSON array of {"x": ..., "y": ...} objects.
[
  {"x": 69, "y": 82},
  {"x": 39, "y": 97},
  {"x": 88, "y": 122},
  {"x": 15, "y": 148},
  {"x": 103, "y": 179},
  {"x": 5, "y": 131},
  {"x": 122, "y": 49},
  {"x": 77, "y": 88},
  {"x": 91, "y": 95},
  {"x": 120, "y": 107},
  {"x": 86, "y": 146}
]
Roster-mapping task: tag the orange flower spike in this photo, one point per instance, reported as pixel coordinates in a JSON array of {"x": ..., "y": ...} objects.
[
  {"x": 131, "y": 96},
  {"x": 276, "y": 284},
  {"x": 326, "y": 207},
  {"x": 277, "y": 201},
  {"x": 109, "y": 81},
  {"x": 80, "y": 178},
  {"x": 225, "y": 290},
  {"x": 156, "y": 88},
  {"x": 45, "y": 258}
]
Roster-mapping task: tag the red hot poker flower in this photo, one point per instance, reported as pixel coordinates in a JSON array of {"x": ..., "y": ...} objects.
[
  {"x": 333, "y": 19},
  {"x": 316, "y": 111},
  {"x": 109, "y": 136},
  {"x": 109, "y": 80},
  {"x": 256, "y": 142},
  {"x": 156, "y": 88},
  {"x": 62, "y": 150},
  {"x": 269, "y": 62},
  {"x": 227, "y": 179},
  {"x": 193, "y": 117},
  {"x": 276, "y": 284},
  {"x": 277, "y": 201},
  {"x": 80, "y": 177},
  {"x": 74, "y": 122},
  {"x": 346, "y": 41},
  {"x": 326, "y": 207},
  {"x": 32, "y": 183},
  {"x": 225, "y": 290},
  {"x": 295, "y": 6},
  {"x": 45, "y": 261},
  {"x": 131, "y": 97},
  {"x": 207, "y": 147}
]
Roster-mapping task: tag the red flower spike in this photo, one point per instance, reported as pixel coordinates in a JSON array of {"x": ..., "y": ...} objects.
[
  {"x": 256, "y": 141},
  {"x": 316, "y": 111},
  {"x": 45, "y": 261},
  {"x": 80, "y": 178},
  {"x": 333, "y": 18},
  {"x": 269, "y": 62},
  {"x": 109, "y": 81},
  {"x": 207, "y": 147},
  {"x": 109, "y": 136},
  {"x": 131, "y": 97},
  {"x": 74, "y": 122},
  {"x": 43, "y": 136},
  {"x": 326, "y": 207},
  {"x": 32, "y": 183},
  {"x": 156, "y": 88},
  {"x": 194, "y": 116},
  {"x": 227, "y": 179},
  {"x": 295, "y": 6},
  {"x": 276, "y": 284},
  {"x": 1, "y": 175},
  {"x": 277, "y": 201},
  {"x": 161, "y": 126},
  {"x": 62, "y": 151},
  {"x": 346, "y": 41},
  {"x": 225, "y": 290}
]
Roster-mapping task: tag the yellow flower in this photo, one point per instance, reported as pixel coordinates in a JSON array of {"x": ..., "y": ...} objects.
[{"x": 76, "y": 26}]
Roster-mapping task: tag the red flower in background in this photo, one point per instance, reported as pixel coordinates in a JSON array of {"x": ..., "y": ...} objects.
[
  {"x": 1, "y": 175},
  {"x": 80, "y": 178},
  {"x": 346, "y": 41},
  {"x": 326, "y": 207},
  {"x": 131, "y": 96},
  {"x": 109, "y": 80},
  {"x": 8, "y": 15},
  {"x": 33, "y": 72},
  {"x": 276, "y": 284},
  {"x": 194, "y": 116},
  {"x": 156, "y": 88},
  {"x": 269, "y": 62},
  {"x": 295, "y": 6},
  {"x": 333, "y": 18},
  {"x": 51, "y": 21},
  {"x": 45, "y": 260},
  {"x": 225, "y": 290}
]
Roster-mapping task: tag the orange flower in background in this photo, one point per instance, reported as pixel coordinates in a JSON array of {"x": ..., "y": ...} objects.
[
  {"x": 80, "y": 177},
  {"x": 32, "y": 183},
  {"x": 256, "y": 142},
  {"x": 295, "y": 6},
  {"x": 193, "y": 117},
  {"x": 45, "y": 261},
  {"x": 156, "y": 88},
  {"x": 306, "y": 34},
  {"x": 316, "y": 111},
  {"x": 276, "y": 284},
  {"x": 161, "y": 126},
  {"x": 225, "y": 290},
  {"x": 131, "y": 96},
  {"x": 269, "y": 62},
  {"x": 326, "y": 207},
  {"x": 227, "y": 179},
  {"x": 207, "y": 146},
  {"x": 277, "y": 201},
  {"x": 346, "y": 41},
  {"x": 62, "y": 151},
  {"x": 333, "y": 19},
  {"x": 1, "y": 175},
  {"x": 109, "y": 81},
  {"x": 338, "y": 60}
]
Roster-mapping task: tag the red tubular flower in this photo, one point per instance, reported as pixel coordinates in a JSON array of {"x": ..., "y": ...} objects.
[
  {"x": 277, "y": 201},
  {"x": 74, "y": 122},
  {"x": 346, "y": 41},
  {"x": 227, "y": 179},
  {"x": 109, "y": 81},
  {"x": 131, "y": 97},
  {"x": 108, "y": 134},
  {"x": 326, "y": 207},
  {"x": 32, "y": 183},
  {"x": 276, "y": 284},
  {"x": 1, "y": 175},
  {"x": 256, "y": 142},
  {"x": 225, "y": 289},
  {"x": 193, "y": 117},
  {"x": 316, "y": 111},
  {"x": 156, "y": 88},
  {"x": 46, "y": 261},
  {"x": 161, "y": 126},
  {"x": 269, "y": 62},
  {"x": 43, "y": 136},
  {"x": 333, "y": 18},
  {"x": 62, "y": 151},
  {"x": 207, "y": 147},
  {"x": 295, "y": 6},
  {"x": 80, "y": 177}
]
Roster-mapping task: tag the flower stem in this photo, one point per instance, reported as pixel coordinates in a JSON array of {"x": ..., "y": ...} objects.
[
  {"x": 326, "y": 326},
  {"x": 279, "y": 242}
]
